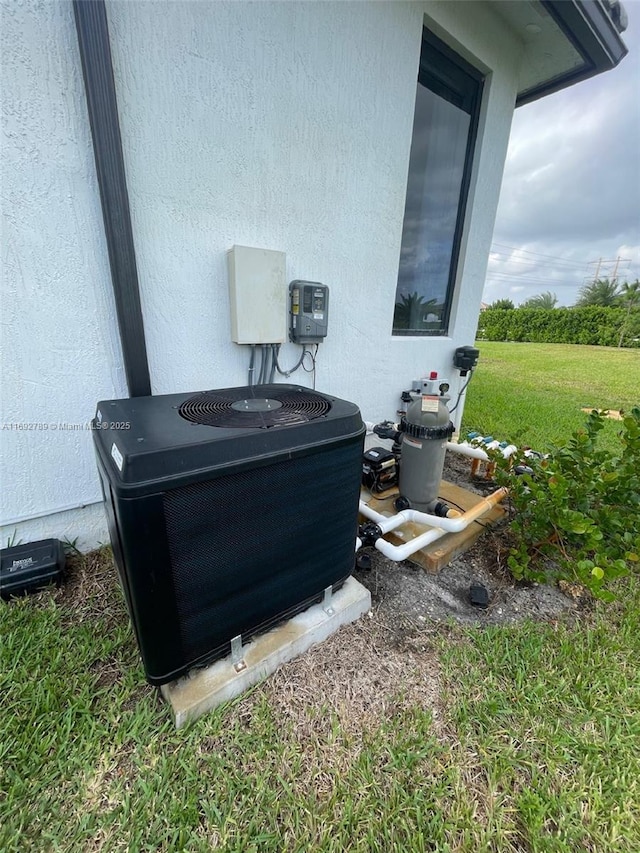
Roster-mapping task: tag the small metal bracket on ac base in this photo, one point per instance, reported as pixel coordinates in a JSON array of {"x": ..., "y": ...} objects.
[
  {"x": 236, "y": 654},
  {"x": 326, "y": 601}
]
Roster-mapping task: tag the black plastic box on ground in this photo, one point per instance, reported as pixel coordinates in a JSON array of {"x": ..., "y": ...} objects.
[
  {"x": 228, "y": 511},
  {"x": 27, "y": 568}
]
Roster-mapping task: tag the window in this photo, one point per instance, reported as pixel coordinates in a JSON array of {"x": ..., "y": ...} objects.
[{"x": 444, "y": 132}]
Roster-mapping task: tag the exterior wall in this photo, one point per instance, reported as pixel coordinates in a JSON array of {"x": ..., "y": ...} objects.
[
  {"x": 59, "y": 343},
  {"x": 288, "y": 126},
  {"x": 280, "y": 125},
  {"x": 84, "y": 527}
]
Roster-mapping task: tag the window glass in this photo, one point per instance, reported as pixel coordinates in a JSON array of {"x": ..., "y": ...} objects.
[{"x": 441, "y": 150}]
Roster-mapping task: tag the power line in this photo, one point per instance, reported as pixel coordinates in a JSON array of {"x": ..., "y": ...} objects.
[
  {"x": 531, "y": 261},
  {"x": 538, "y": 254},
  {"x": 563, "y": 281},
  {"x": 502, "y": 276}
]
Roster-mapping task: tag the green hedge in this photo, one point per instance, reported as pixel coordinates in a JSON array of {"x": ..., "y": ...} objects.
[{"x": 592, "y": 325}]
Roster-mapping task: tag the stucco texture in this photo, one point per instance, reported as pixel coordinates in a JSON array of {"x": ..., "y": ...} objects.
[
  {"x": 59, "y": 344},
  {"x": 279, "y": 125},
  {"x": 288, "y": 126}
]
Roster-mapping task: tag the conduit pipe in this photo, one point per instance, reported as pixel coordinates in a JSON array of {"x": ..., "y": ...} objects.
[{"x": 439, "y": 526}]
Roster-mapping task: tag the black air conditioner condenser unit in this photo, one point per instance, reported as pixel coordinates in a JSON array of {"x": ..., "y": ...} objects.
[{"x": 228, "y": 511}]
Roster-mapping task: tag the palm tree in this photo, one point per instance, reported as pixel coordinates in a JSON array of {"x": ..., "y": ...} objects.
[
  {"x": 410, "y": 311},
  {"x": 601, "y": 292},
  {"x": 629, "y": 298},
  {"x": 545, "y": 301}
]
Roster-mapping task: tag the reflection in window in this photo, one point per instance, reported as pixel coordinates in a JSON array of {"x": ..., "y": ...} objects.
[{"x": 444, "y": 129}]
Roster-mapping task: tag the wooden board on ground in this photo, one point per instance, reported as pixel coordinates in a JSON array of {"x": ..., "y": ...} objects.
[{"x": 440, "y": 553}]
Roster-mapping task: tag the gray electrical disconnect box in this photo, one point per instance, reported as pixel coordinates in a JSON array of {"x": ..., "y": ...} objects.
[{"x": 308, "y": 311}]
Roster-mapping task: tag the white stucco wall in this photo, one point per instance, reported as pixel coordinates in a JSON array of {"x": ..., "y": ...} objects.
[
  {"x": 280, "y": 125},
  {"x": 288, "y": 126},
  {"x": 59, "y": 344}
]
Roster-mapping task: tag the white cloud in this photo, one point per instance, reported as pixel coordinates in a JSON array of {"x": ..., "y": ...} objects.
[{"x": 571, "y": 189}]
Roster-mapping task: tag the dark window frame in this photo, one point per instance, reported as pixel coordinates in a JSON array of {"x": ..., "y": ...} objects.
[{"x": 446, "y": 74}]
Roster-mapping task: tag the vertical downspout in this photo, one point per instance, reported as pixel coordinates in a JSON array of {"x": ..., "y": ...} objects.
[{"x": 95, "y": 53}]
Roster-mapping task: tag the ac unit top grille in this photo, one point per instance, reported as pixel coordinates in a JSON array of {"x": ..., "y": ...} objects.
[
  {"x": 173, "y": 437},
  {"x": 217, "y": 409}
]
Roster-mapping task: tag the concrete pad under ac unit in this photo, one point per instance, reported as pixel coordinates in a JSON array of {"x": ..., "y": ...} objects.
[{"x": 206, "y": 688}]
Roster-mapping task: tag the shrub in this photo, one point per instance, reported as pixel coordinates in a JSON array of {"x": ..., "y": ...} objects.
[
  {"x": 577, "y": 516},
  {"x": 593, "y": 325}
]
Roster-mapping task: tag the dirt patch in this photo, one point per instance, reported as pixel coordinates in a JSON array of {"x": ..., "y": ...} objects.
[
  {"x": 332, "y": 697},
  {"x": 612, "y": 414},
  {"x": 404, "y": 590},
  {"x": 91, "y": 589},
  {"x": 457, "y": 470},
  {"x": 372, "y": 676}
]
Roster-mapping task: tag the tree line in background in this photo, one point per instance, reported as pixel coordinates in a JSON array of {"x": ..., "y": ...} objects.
[{"x": 605, "y": 314}]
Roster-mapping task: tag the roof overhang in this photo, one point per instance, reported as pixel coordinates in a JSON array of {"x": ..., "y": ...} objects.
[{"x": 564, "y": 41}]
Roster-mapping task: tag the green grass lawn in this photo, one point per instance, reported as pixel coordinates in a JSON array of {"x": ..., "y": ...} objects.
[
  {"x": 533, "y": 393},
  {"x": 535, "y": 745},
  {"x": 529, "y": 740}
]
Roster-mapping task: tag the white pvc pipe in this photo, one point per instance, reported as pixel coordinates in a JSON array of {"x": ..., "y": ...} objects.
[
  {"x": 366, "y": 510},
  {"x": 450, "y": 525},
  {"x": 402, "y": 552},
  {"x": 386, "y": 523},
  {"x": 466, "y": 449},
  {"x": 439, "y": 526}
]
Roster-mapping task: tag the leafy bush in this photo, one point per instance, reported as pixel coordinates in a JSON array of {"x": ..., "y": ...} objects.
[
  {"x": 593, "y": 325},
  {"x": 502, "y": 305},
  {"x": 578, "y": 514}
]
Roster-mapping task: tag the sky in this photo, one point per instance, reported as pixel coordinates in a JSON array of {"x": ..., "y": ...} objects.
[{"x": 571, "y": 189}]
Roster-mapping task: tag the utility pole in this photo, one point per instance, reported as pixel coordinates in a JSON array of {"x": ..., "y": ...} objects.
[
  {"x": 614, "y": 277},
  {"x": 609, "y": 268}
]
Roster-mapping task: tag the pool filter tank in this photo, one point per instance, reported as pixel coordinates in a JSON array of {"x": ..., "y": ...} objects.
[{"x": 425, "y": 430}]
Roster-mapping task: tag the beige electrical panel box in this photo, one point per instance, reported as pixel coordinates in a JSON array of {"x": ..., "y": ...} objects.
[{"x": 257, "y": 293}]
